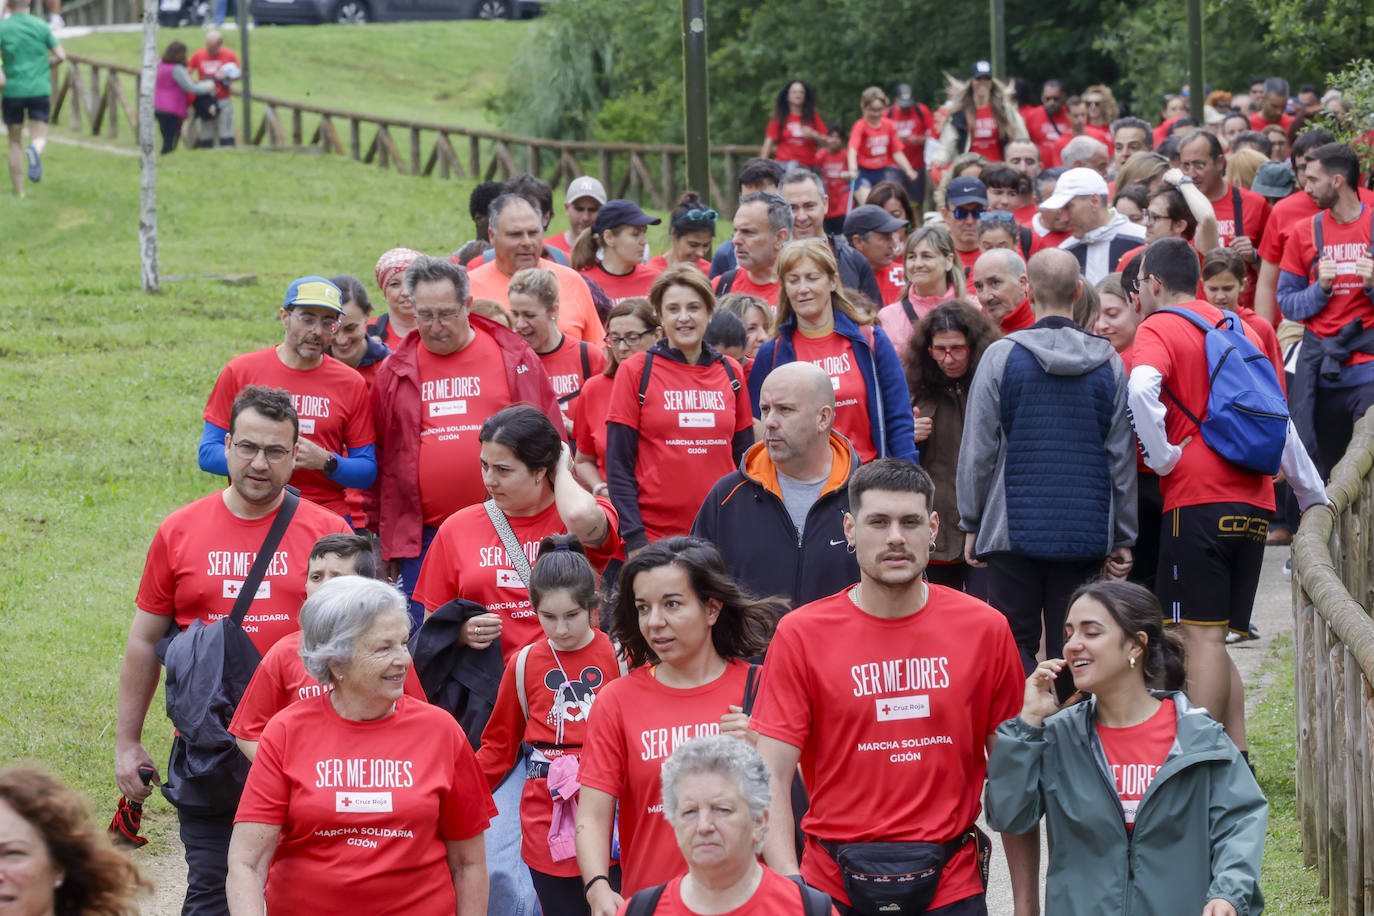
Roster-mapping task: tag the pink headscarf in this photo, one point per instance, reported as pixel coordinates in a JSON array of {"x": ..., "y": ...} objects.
[{"x": 393, "y": 262}]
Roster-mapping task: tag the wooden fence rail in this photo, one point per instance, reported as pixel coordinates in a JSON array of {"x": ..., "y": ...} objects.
[
  {"x": 93, "y": 93},
  {"x": 1333, "y": 656}
]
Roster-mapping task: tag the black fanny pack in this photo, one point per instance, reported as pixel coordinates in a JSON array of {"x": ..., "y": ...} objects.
[{"x": 899, "y": 879}]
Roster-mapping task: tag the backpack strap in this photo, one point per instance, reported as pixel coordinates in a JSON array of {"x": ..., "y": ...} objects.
[
  {"x": 644, "y": 376},
  {"x": 726, "y": 281},
  {"x": 814, "y": 902},
  {"x": 910, "y": 311},
  {"x": 1317, "y": 242},
  {"x": 1205, "y": 328},
  {"x": 521, "y": 660},
  {"x": 1237, "y": 212},
  {"x": 751, "y": 689},
  {"x": 645, "y": 902},
  {"x": 586, "y": 360},
  {"x": 1026, "y": 240},
  {"x": 730, "y": 374}
]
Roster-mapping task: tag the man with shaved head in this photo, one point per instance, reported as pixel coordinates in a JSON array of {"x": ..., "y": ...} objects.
[
  {"x": 1047, "y": 476},
  {"x": 999, "y": 281},
  {"x": 216, "y": 62},
  {"x": 779, "y": 519}
]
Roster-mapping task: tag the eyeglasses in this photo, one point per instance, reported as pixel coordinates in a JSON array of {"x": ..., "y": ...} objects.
[
  {"x": 963, "y": 213},
  {"x": 995, "y": 216},
  {"x": 628, "y": 340},
  {"x": 1151, "y": 217},
  {"x": 436, "y": 317},
  {"x": 939, "y": 353},
  {"x": 248, "y": 451},
  {"x": 700, "y": 216},
  {"x": 309, "y": 321}
]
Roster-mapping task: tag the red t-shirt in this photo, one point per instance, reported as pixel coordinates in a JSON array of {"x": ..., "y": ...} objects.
[
  {"x": 1286, "y": 214},
  {"x": 279, "y": 681},
  {"x": 743, "y": 285},
  {"x": 364, "y": 807},
  {"x": 567, "y": 371},
  {"x": 1048, "y": 240},
  {"x": 1136, "y": 754},
  {"x": 467, "y": 560},
  {"x": 792, "y": 145},
  {"x": 559, "y": 240},
  {"x": 202, "y": 552},
  {"x": 891, "y": 282},
  {"x": 835, "y": 354},
  {"x": 589, "y": 419},
  {"x": 775, "y": 894},
  {"x": 354, "y": 498},
  {"x": 968, "y": 259},
  {"x": 331, "y": 401},
  {"x": 1257, "y": 122},
  {"x": 1269, "y": 339},
  {"x": 1019, "y": 318},
  {"x": 1254, "y": 214},
  {"x": 457, "y": 394},
  {"x": 833, "y": 166},
  {"x": 985, "y": 140},
  {"x": 685, "y": 427},
  {"x": 1175, "y": 346},
  {"x": 636, "y": 724},
  {"x": 623, "y": 286},
  {"x": 892, "y": 721},
  {"x": 659, "y": 263},
  {"x": 585, "y": 673},
  {"x": 205, "y": 67},
  {"x": 915, "y": 126},
  {"x": 1103, "y": 133},
  {"x": 875, "y": 145},
  {"x": 1345, "y": 243},
  {"x": 1044, "y": 131}
]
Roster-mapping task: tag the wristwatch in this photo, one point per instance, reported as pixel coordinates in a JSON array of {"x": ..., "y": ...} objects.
[{"x": 331, "y": 464}]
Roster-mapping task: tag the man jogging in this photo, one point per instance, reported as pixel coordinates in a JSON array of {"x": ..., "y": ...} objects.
[{"x": 25, "y": 45}]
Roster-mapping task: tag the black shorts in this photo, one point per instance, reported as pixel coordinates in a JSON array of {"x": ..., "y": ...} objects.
[
  {"x": 1209, "y": 563},
  {"x": 38, "y": 107}
]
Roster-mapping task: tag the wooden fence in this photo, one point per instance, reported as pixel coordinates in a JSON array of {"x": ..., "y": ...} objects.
[
  {"x": 1333, "y": 654},
  {"x": 94, "y": 93},
  {"x": 102, "y": 12}
]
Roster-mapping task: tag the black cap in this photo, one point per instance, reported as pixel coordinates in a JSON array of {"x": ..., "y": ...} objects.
[
  {"x": 619, "y": 212},
  {"x": 870, "y": 218},
  {"x": 981, "y": 70},
  {"x": 965, "y": 190}
]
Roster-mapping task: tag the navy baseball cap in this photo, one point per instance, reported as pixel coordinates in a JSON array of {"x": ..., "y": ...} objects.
[
  {"x": 314, "y": 291},
  {"x": 965, "y": 190},
  {"x": 619, "y": 212},
  {"x": 980, "y": 70},
  {"x": 870, "y": 218}
]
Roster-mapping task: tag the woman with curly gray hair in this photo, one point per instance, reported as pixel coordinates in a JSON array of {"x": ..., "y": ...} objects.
[
  {"x": 716, "y": 797},
  {"x": 361, "y": 799}
]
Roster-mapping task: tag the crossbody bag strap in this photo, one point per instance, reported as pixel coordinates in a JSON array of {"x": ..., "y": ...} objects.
[
  {"x": 521, "y": 692},
  {"x": 644, "y": 376},
  {"x": 290, "y": 500},
  {"x": 814, "y": 902},
  {"x": 751, "y": 689},
  {"x": 514, "y": 552},
  {"x": 645, "y": 902},
  {"x": 1237, "y": 212}
]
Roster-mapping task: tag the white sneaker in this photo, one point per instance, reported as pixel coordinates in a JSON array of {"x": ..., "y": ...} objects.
[{"x": 56, "y": 22}]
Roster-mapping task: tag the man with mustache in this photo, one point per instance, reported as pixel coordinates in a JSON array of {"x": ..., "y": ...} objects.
[{"x": 335, "y": 446}]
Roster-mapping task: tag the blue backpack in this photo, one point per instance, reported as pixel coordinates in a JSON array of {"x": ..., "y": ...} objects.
[{"x": 1247, "y": 415}]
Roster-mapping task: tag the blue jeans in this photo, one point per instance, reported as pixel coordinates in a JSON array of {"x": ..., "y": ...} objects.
[
  {"x": 512, "y": 890},
  {"x": 222, "y": 10},
  {"x": 409, "y": 574}
]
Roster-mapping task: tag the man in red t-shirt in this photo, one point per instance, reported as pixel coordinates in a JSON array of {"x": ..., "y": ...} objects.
[
  {"x": 216, "y": 62},
  {"x": 872, "y": 232},
  {"x": 915, "y": 125},
  {"x": 966, "y": 199},
  {"x": 585, "y": 198},
  {"x": 1050, "y": 121},
  {"x": 1241, "y": 213},
  {"x": 763, "y": 224},
  {"x": 196, "y": 567},
  {"x": 1216, "y": 512},
  {"x": 1325, "y": 283},
  {"x": 430, "y": 400},
  {"x": 891, "y": 723},
  {"x": 336, "y": 442},
  {"x": 1078, "y": 127},
  {"x": 1274, "y": 107}
]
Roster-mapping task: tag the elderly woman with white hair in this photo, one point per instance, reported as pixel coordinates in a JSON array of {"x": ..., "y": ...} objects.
[
  {"x": 716, "y": 797},
  {"x": 362, "y": 799}
]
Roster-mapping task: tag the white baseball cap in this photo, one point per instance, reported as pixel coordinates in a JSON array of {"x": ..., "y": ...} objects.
[
  {"x": 1079, "y": 182},
  {"x": 586, "y": 186}
]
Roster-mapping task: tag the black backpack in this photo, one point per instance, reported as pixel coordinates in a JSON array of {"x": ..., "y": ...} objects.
[{"x": 814, "y": 902}]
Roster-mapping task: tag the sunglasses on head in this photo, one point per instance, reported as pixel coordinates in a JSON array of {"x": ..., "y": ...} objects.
[
  {"x": 997, "y": 216},
  {"x": 700, "y": 216}
]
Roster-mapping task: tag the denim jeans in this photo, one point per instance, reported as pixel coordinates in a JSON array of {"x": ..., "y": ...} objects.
[
  {"x": 409, "y": 573},
  {"x": 512, "y": 890}
]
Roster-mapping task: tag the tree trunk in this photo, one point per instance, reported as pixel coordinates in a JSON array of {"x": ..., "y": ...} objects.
[{"x": 147, "y": 131}]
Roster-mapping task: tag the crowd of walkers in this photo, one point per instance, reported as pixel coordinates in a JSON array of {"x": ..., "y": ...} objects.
[{"x": 608, "y": 582}]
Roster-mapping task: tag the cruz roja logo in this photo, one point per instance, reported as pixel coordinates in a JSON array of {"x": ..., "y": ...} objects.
[{"x": 916, "y": 706}]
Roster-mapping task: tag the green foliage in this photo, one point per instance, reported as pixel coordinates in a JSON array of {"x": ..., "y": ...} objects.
[{"x": 1356, "y": 83}]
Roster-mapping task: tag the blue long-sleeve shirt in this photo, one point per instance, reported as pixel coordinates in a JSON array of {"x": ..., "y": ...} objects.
[{"x": 357, "y": 470}]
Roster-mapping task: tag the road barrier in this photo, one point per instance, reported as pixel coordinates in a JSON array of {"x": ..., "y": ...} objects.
[
  {"x": 1333, "y": 656},
  {"x": 93, "y": 93}
]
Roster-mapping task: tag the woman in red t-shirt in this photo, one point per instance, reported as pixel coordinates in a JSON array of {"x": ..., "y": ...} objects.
[
  {"x": 691, "y": 227},
  {"x": 983, "y": 117},
  {"x": 533, "y": 297},
  {"x": 618, "y": 235},
  {"x": 686, "y": 630},
  {"x": 399, "y": 319},
  {"x": 795, "y": 128},
  {"x": 716, "y": 797},
  {"x": 546, "y": 695},
  {"x": 631, "y": 327},
  {"x": 1136, "y": 780},
  {"x": 361, "y": 799}
]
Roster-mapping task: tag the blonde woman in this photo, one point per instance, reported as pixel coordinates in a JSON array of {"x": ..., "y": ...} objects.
[{"x": 983, "y": 117}]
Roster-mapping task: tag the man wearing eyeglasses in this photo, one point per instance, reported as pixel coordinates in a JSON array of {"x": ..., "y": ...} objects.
[
  {"x": 1050, "y": 120},
  {"x": 195, "y": 570},
  {"x": 336, "y": 436}
]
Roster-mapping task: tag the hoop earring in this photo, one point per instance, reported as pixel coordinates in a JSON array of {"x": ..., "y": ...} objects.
[{"x": 849, "y": 547}]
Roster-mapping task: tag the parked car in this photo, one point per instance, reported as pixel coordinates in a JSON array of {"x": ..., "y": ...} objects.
[{"x": 309, "y": 12}]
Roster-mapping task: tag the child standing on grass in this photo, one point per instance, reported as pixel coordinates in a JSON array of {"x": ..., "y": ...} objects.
[
  {"x": 545, "y": 698},
  {"x": 875, "y": 148}
]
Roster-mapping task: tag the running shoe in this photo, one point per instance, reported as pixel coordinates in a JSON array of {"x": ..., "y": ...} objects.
[{"x": 35, "y": 163}]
